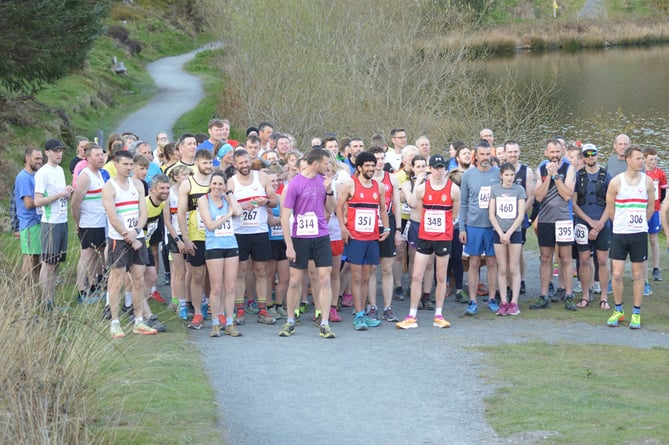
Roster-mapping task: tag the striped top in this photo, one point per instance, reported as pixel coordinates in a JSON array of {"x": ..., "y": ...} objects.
[
  {"x": 630, "y": 207},
  {"x": 92, "y": 213},
  {"x": 127, "y": 209}
]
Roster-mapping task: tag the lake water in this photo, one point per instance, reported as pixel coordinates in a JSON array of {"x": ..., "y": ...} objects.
[{"x": 600, "y": 94}]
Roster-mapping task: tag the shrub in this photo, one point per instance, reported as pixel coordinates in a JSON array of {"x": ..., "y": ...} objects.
[{"x": 118, "y": 32}]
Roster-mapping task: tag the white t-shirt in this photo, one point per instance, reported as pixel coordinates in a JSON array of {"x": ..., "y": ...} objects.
[{"x": 50, "y": 181}]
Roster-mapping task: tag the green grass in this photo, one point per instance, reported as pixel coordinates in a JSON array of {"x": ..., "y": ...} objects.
[{"x": 587, "y": 394}]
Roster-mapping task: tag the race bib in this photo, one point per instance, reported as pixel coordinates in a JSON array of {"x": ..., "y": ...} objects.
[
  {"x": 434, "y": 221},
  {"x": 484, "y": 197},
  {"x": 581, "y": 234},
  {"x": 224, "y": 229},
  {"x": 506, "y": 207},
  {"x": 364, "y": 220},
  {"x": 131, "y": 219},
  {"x": 151, "y": 228},
  {"x": 406, "y": 210},
  {"x": 307, "y": 224},
  {"x": 636, "y": 219},
  {"x": 564, "y": 231},
  {"x": 250, "y": 218},
  {"x": 62, "y": 208},
  {"x": 276, "y": 231}
]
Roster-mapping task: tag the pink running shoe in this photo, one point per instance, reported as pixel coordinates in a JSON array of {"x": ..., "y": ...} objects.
[
  {"x": 347, "y": 300},
  {"x": 334, "y": 316}
]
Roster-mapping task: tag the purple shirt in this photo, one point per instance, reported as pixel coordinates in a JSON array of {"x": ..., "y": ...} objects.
[{"x": 307, "y": 199}]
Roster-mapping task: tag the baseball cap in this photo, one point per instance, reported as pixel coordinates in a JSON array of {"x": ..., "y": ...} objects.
[
  {"x": 437, "y": 161},
  {"x": 589, "y": 147},
  {"x": 54, "y": 144}
]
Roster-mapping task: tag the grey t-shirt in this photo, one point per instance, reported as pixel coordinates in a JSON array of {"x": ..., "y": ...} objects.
[
  {"x": 615, "y": 166},
  {"x": 475, "y": 196},
  {"x": 506, "y": 204}
]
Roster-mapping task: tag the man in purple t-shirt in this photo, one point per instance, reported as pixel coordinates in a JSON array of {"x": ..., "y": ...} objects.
[{"x": 307, "y": 198}]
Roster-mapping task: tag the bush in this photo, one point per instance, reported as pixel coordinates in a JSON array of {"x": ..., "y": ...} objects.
[
  {"x": 118, "y": 32},
  {"x": 357, "y": 67}
]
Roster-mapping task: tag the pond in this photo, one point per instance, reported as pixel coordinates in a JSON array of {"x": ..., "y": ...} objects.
[{"x": 600, "y": 94}]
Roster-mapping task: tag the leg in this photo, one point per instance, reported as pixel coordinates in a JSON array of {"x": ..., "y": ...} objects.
[
  {"x": 440, "y": 292},
  {"x": 387, "y": 280},
  {"x": 501, "y": 254},
  {"x": 324, "y": 292},
  {"x": 638, "y": 274},
  {"x": 546, "y": 268},
  {"x": 294, "y": 291},
  {"x": 514, "y": 267},
  {"x": 566, "y": 268},
  {"x": 215, "y": 269},
  {"x": 116, "y": 277},
  {"x": 617, "y": 273},
  {"x": 137, "y": 278},
  {"x": 602, "y": 262},
  {"x": 241, "y": 284},
  {"x": 473, "y": 275},
  {"x": 420, "y": 262},
  {"x": 230, "y": 284},
  {"x": 196, "y": 287}
]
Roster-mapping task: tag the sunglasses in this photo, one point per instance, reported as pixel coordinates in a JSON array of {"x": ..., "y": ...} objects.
[{"x": 589, "y": 154}]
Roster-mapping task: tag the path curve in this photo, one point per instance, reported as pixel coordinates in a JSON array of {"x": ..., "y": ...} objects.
[{"x": 178, "y": 93}]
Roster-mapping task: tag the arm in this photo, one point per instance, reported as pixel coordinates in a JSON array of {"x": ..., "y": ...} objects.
[
  {"x": 542, "y": 185},
  {"x": 492, "y": 215},
  {"x": 330, "y": 202},
  {"x": 384, "y": 214},
  {"x": 650, "y": 209},
  {"x": 272, "y": 198},
  {"x": 182, "y": 210},
  {"x": 521, "y": 216},
  {"x": 566, "y": 187},
  {"x": 341, "y": 208},
  {"x": 77, "y": 197},
  {"x": 529, "y": 188},
  {"x": 408, "y": 195},
  {"x": 455, "y": 196},
  {"x": 41, "y": 200},
  {"x": 286, "y": 229},
  {"x": 611, "y": 193},
  {"x": 143, "y": 212},
  {"x": 665, "y": 218},
  {"x": 464, "y": 206}
]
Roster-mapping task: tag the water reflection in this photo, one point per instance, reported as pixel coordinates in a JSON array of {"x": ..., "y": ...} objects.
[{"x": 602, "y": 93}]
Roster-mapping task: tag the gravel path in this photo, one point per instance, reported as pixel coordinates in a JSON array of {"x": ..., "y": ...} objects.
[{"x": 421, "y": 386}]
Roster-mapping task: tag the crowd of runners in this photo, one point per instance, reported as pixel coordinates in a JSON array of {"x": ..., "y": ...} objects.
[{"x": 254, "y": 227}]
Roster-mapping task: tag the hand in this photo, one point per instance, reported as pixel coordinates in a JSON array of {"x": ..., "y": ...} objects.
[
  {"x": 262, "y": 202},
  {"x": 593, "y": 234},
  {"x": 290, "y": 254},
  {"x": 463, "y": 237},
  {"x": 17, "y": 235},
  {"x": 247, "y": 206},
  {"x": 189, "y": 247},
  {"x": 181, "y": 246},
  {"x": 398, "y": 238},
  {"x": 384, "y": 235},
  {"x": 327, "y": 182},
  {"x": 345, "y": 235}
]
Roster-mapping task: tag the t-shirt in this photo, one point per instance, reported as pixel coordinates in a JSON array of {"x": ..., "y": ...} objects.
[
  {"x": 49, "y": 181},
  {"x": 25, "y": 186},
  {"x": 475, "y": 197},
  {"x": 394, "y": 159},
  {"x": 615, "y": 166},
  {"x": 306, "y": 196},
  {"x": 506, "y": 204},
  {"x": 659, "y": 183},
  {"x": 74, "y": 162}
]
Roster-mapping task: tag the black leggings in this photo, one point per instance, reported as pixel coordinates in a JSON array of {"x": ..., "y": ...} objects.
[{"x": 455, "y": 262}]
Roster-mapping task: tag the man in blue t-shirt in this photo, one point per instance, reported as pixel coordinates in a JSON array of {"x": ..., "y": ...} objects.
[{"x": 29, "y": 219}]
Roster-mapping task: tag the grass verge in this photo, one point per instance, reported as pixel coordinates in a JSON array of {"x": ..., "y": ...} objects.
[{"x": 590, "y": 394}]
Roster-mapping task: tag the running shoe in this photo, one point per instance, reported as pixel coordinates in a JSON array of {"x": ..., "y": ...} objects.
[
  {"x": 183, "y": 313},
  {"x": 326, "y": 332},
  {"x": 252, "y": 307},
  {"x": 287, "y": 330},
  {"x": 265, "y": 318},
  {"x": 304, "y": 307},
  {"x": 373, "y": 313},
  {"x": 215, "y": 330},
  {"x": 503, "y": 308},
  {"x": 596, "y": 288},
  {"x": 127, "y": 310},
  {"x": 116, "y": 330},
  {"x": 174, "y": 304},
  {"x": 205, "y": 310},
  {"x": 359, "y": 324},
  {"x": 513, "y": 309},
  {"x": 569, "y": 303},
  {"x": 635, "y": 322},
  {"x": 347, "y": 300},
  {"x": 551, "y": 289},
  {"x": 472, "y": 309},
  {"x": 398, "y": 293},
  {"x": 389, "y": 315},
  {"x": 282, "y": 311},
  {"x": 317, "y": 320},
  {"x": 541, "y": 303},
  {"x": 371, "y": 322},
  {"x": 143, "y": 329},
  {"x": 196, "y": 322},
  {"x": 440, "y": 323},
  {"x": 461, "y": 296},
  {"x": 493, "y": 305},
  {"x": 156, "y": 296},
  {"x": 232, "y": 331},
  {"x": 523, "y": 289},
  {"x": 274, "y": 313},
  {"x": 656, "y": 274},
  {"x": 559, "y": 295},
  {"x": 221, "y": 319},
  {"x": 154, "y": 323},
  {"x": 647, "y": 290},
  {"x": 239, "y": 318},
  {"x": 409, "y": 322},
  {"x": 426, "y": 303},
  {"x": 334, "y": 316},
  {"x": 614, "y": 319}
]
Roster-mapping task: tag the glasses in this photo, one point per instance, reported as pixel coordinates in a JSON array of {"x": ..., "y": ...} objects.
[{"x": 589, "y": 154}]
